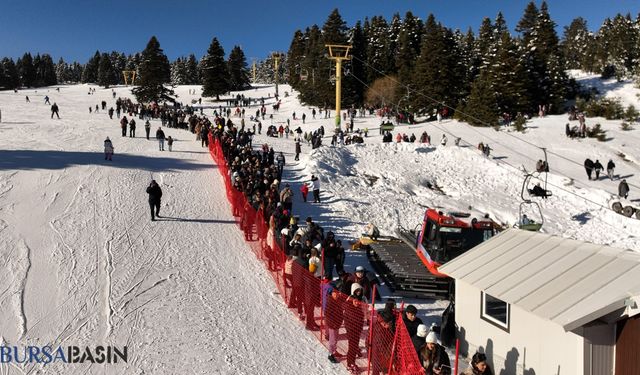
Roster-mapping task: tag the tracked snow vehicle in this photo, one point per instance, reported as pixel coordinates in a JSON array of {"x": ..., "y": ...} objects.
[{"x": 438, "y": 239}]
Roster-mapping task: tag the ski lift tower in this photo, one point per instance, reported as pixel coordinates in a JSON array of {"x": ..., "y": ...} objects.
[
  {"x": 276, "y": 58},
  {"x": 338, "y": 53}
]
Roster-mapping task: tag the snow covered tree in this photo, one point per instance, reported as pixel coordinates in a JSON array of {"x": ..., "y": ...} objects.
[
  {"x": 527, "y": 22},
  {"x": 62, "y": 71},
  {"x": 408, "y": 51},
  {"x": 154, "y": 72},
  {"x": 380, "y": 60},
  {"x": 179, "y": 74},
  {"x": 238, "y": 71},
  {"x": 193, "y": 76},
  {"x": 106, "y": 73},
  {"x": 575, "y": 43},
  {"x": 435, "y": 70},
  {"x": 619, "y": 40},
  {"x": 214, "y": 72}
]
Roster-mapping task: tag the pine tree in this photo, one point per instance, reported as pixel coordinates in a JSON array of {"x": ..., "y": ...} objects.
[
  {"x": 193, "y": 77},
  {"x": 11, "y": 75},
  {"x": 62, "y": 71},
  {"x": 179, "y": 74},
  {"x": 380, "y": 61},
  {"x": 435, "y": 70},
  {"x": 238, "y": 71},
  {"x": 527, "y": 22},
  {"x": 357, "y": 62},
  {"x": 481, "y": 108},
  {"x": 90, "y": 71},
  {"x": 106, "y": 74},
  {"x": 294, "y": 59},
  {"x": 47, "y": 70},
  {"x": 575, "y": 43},
  {"x": 154, "y": 71},
  {"x": 27, "y": 70},
  {"x": 214, "y": 72}
]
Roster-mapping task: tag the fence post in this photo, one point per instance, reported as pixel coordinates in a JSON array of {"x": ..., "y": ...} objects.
[
  {"x": 455, "y": 371},
  {"x": 322, "y": 277},
  {"x": 370, "y": 343}
]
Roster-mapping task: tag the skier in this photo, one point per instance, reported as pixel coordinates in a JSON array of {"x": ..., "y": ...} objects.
[
  {"x": 443, "y": 140},
  {"x": 610, "y": 167},
  {"x": 54, "y": 110},
  {"x": 623, "y": 189},
  {"x": 588, "y": 167},
  {"x": 123, "y": 124},
  {"x": 160, "y": 138},
  {"x": 304, "y": 117},
  {"x": 169, "y": 142},
  {"x": 298, "y": 150},
  {"x": 27, "y": 98},
  {"x": 597, "y": 167},
  {"x": 147, "y": 128},
  {"x": 46, "y": 100},
  {"x": 315, "y": 183},
  {"x": 132, "y": 128},
  {"x": 155, "y": 195},
  {"x": 111, "y": 113}
]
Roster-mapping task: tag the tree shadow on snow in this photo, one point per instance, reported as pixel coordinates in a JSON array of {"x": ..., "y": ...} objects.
[{"x": 49, "y": 159}]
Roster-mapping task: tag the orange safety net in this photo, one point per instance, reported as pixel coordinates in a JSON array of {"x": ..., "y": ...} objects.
[{"x": 348, "y": 327}]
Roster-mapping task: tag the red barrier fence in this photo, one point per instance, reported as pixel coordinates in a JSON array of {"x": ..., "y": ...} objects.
[{"x": 358, "y": 335}]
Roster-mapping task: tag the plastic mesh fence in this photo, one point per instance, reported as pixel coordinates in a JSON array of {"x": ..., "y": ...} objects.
[{"x": 350, "y": 329}]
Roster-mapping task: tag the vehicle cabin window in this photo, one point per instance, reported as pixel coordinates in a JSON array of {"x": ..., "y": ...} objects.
[{"x": 495, "y": 311}]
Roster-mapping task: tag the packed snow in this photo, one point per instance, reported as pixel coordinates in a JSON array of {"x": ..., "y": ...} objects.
[{"x": 83, "y": 265}]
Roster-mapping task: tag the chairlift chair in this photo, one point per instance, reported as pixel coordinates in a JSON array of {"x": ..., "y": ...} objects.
[{"x": 533, "y": 226}]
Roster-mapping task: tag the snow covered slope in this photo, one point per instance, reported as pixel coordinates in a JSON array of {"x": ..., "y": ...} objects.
[{"x": 82, "y": 264}]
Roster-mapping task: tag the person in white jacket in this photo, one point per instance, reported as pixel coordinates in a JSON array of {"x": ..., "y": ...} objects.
[
  {"x": 108, "y": 149},
  {"x": 315, "y": 185}
]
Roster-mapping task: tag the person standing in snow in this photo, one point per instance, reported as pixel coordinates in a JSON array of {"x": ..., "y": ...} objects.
[
  {"x": 304, "y": 189},
  {"x": 597, "y": 167},
  {"x": 610, "y": 167},
  {"x": 108, "y": 149},
  {"x": 334, "y": 317},
  {"x": 123, "y": 124},
  {"x": 54, "y": 110},
  {"x": 147, "y": 128},
  {"x": 315, "y": 184},
  {"x": 111, "y": 113},
  {"x": 354, "y": 322},
  {"x": 588, "y": 167},
  {"x": 443, "y": 140},
  {"x": 155, "y": 196},
  {"x": 623, "y": 189},
  {"x": 132, "y": 128},
  {"x": 298, "y": 150},
  {"x": 160, "y": 138},
  {"x": 169, "y": 142},
  {"x": 280, "y": 161}
]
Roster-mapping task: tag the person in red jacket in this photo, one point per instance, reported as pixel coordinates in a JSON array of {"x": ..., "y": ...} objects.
[{"x": 304, "y": 189}]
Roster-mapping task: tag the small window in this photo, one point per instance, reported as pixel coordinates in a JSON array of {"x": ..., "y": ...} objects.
[{"x": 495, "y": 311}]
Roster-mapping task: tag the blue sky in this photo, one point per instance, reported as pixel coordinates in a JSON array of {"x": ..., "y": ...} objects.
[{"x": 75, "y": 29}]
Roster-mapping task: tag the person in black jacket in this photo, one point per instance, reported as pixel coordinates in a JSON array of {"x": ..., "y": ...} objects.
[
  {"x": 155, "y": 195},
  {"x": 588, "y": 166},
  {"x": 610, "y": 167},
  {"x": 411, "y": 320},
  {"x": 597, "y": 167},
  {"x": 160, "y": 138}
]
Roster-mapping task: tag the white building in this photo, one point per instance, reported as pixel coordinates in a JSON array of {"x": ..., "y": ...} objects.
[{"x": 539, "y": 304}]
